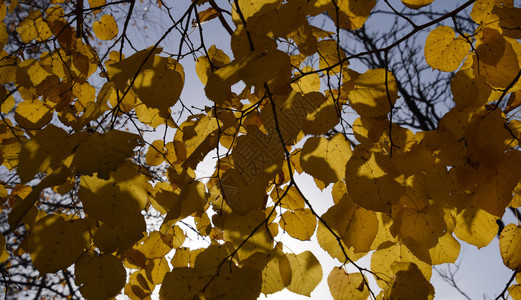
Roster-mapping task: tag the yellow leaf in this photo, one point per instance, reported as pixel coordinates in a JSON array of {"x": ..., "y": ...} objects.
[
  {"x": 156, "y": 270},
  {"x": 203, "y": 223},
  {"x": 256, "y": 68},
  {"x": 415, "y": 4},
  {"x": 99, "y": 277},
  {"x": 299, "y": 224},
  {"x": 96, "y": 3},
  {"x": 332, "y": 246},
  {"x": 3, "y": 11},
  {"x": 330, "y": 55},
  {"x": 482, "y": 9},
  {"x": 493, "y": 186},
  {"x": 446, "y": 250},
  {"x": 102, "y": 153},
  {"x": 152, "y": 116},
  {"x": 84, "y": 59},
  {"x": 106, "y": 28},
  {"x": 274, "y": 279},
  {"x": 325, "y": 158},
  {"x": 369, "y": 96},
  {"x": 237, "y": 228},
  {"x": 235, "y": 283},
  {"x": 255, "y": 7},
  {"x": 476, "y": 226},
  {"x": 306, "y": 272},
  {"x": 305, "y": 38},
  {"x": 57, "y": 177},
  {"x": 467, "y": 91},
  {"x": 55, "y": 244},
  {"x": 409, "y": 283},
  {"x": 9, "y": 65},
  {"x": 275, "y": 23},
  {"x": 444, "y": 52},
  {"x": 192, "y": 199},
  {"x": 34, "y": 27},
  {"x": 371, "y": 181},
  {"x": 292, "y": 200},
  {"x": 308, "y": 83},
  {"x": 510, "y": 246},
  {"x": 218, "y": 59},
  {"x": 356, "y": 226},
  {"x": 3, "y": 35},
  {"x": 347, "y": 286},
  {"x": 351, "y": 14},
  {"x": 156, "y": 245},
  {"x": 48, "y": 148},
  {"x": 33, "y": 114},
  {"x": 120, "y": 234},
  {"x": 423, "y": 224},
  {"x": 508, "y": 19},
  {"x": 498, "y": 61},
  {"x": 156, "y": 152},
  {"x": 4, "y": 255},
  {"x": 389, "y": 253},
  {"x": 207, "y": 14},
  {"x": 138, "y": 286},
  {"x": 160, "y": 86},
  {"x": 181, "y": 258},
  {"x": 113, "y": 200},
  {"x": 515, "y": 291},
  {"x": 182, "y": 283},
  {"x": 123, "y": 71}
]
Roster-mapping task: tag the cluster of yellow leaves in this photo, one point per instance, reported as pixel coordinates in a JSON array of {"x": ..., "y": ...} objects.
[{"x": 401, "y": 195}]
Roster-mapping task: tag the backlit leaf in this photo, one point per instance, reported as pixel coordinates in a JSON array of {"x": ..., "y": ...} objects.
[
  {"x": 369, "y": 97},
  {"x": 103, "y": 153},
  {"x": 510, "y": 246},
  {"x": 299, "y": 224},
  {"x": 106, "y": 28},
  {"x": 476, "y": 227},
  {"x": 34, "y": 27},
  {"x": 347, "y": 286},
  {"x": 4, "y": 255},
  {"x": 356, "y": 225},
  {"x": 371, "y": 181},
  {"x": 444, "y": 52},
  {"x": 306, "y": 272},
  {"x": 55, "y": 243},
  {"x": 415, "y": 4},
  {"x": 409, "y": 283},
  {"x": 389, "y": 253},
  {"x": 238, "y": 228},
  {"x": 33, "y": 114},
  {"x": 99, "y": 277},
  {"x": 324, "y": 158},
  {"x": 351, "y": 14},
  {"x": 160, "y": 86}
]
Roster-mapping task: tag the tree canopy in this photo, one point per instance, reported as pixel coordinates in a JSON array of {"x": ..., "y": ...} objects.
[{"x": 99, "y": 150}]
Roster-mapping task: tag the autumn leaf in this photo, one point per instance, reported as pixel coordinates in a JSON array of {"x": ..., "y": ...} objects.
[
  {"x": 56, "y": 243},
  {"x": 324, "y": 158},
  {"x": 509, "y": 245},
  {"x": 100, "y": 276},
  {"x": 444, "y": 52},
  {"x": 306, "y": 272},
  {"x": 416, "y": 3},
  {"x": 299, "y": 224},
  {"x": 344, "y": 285},
  {"x": 374, "y": 93},
  {"x": 106, "y": 28}
]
